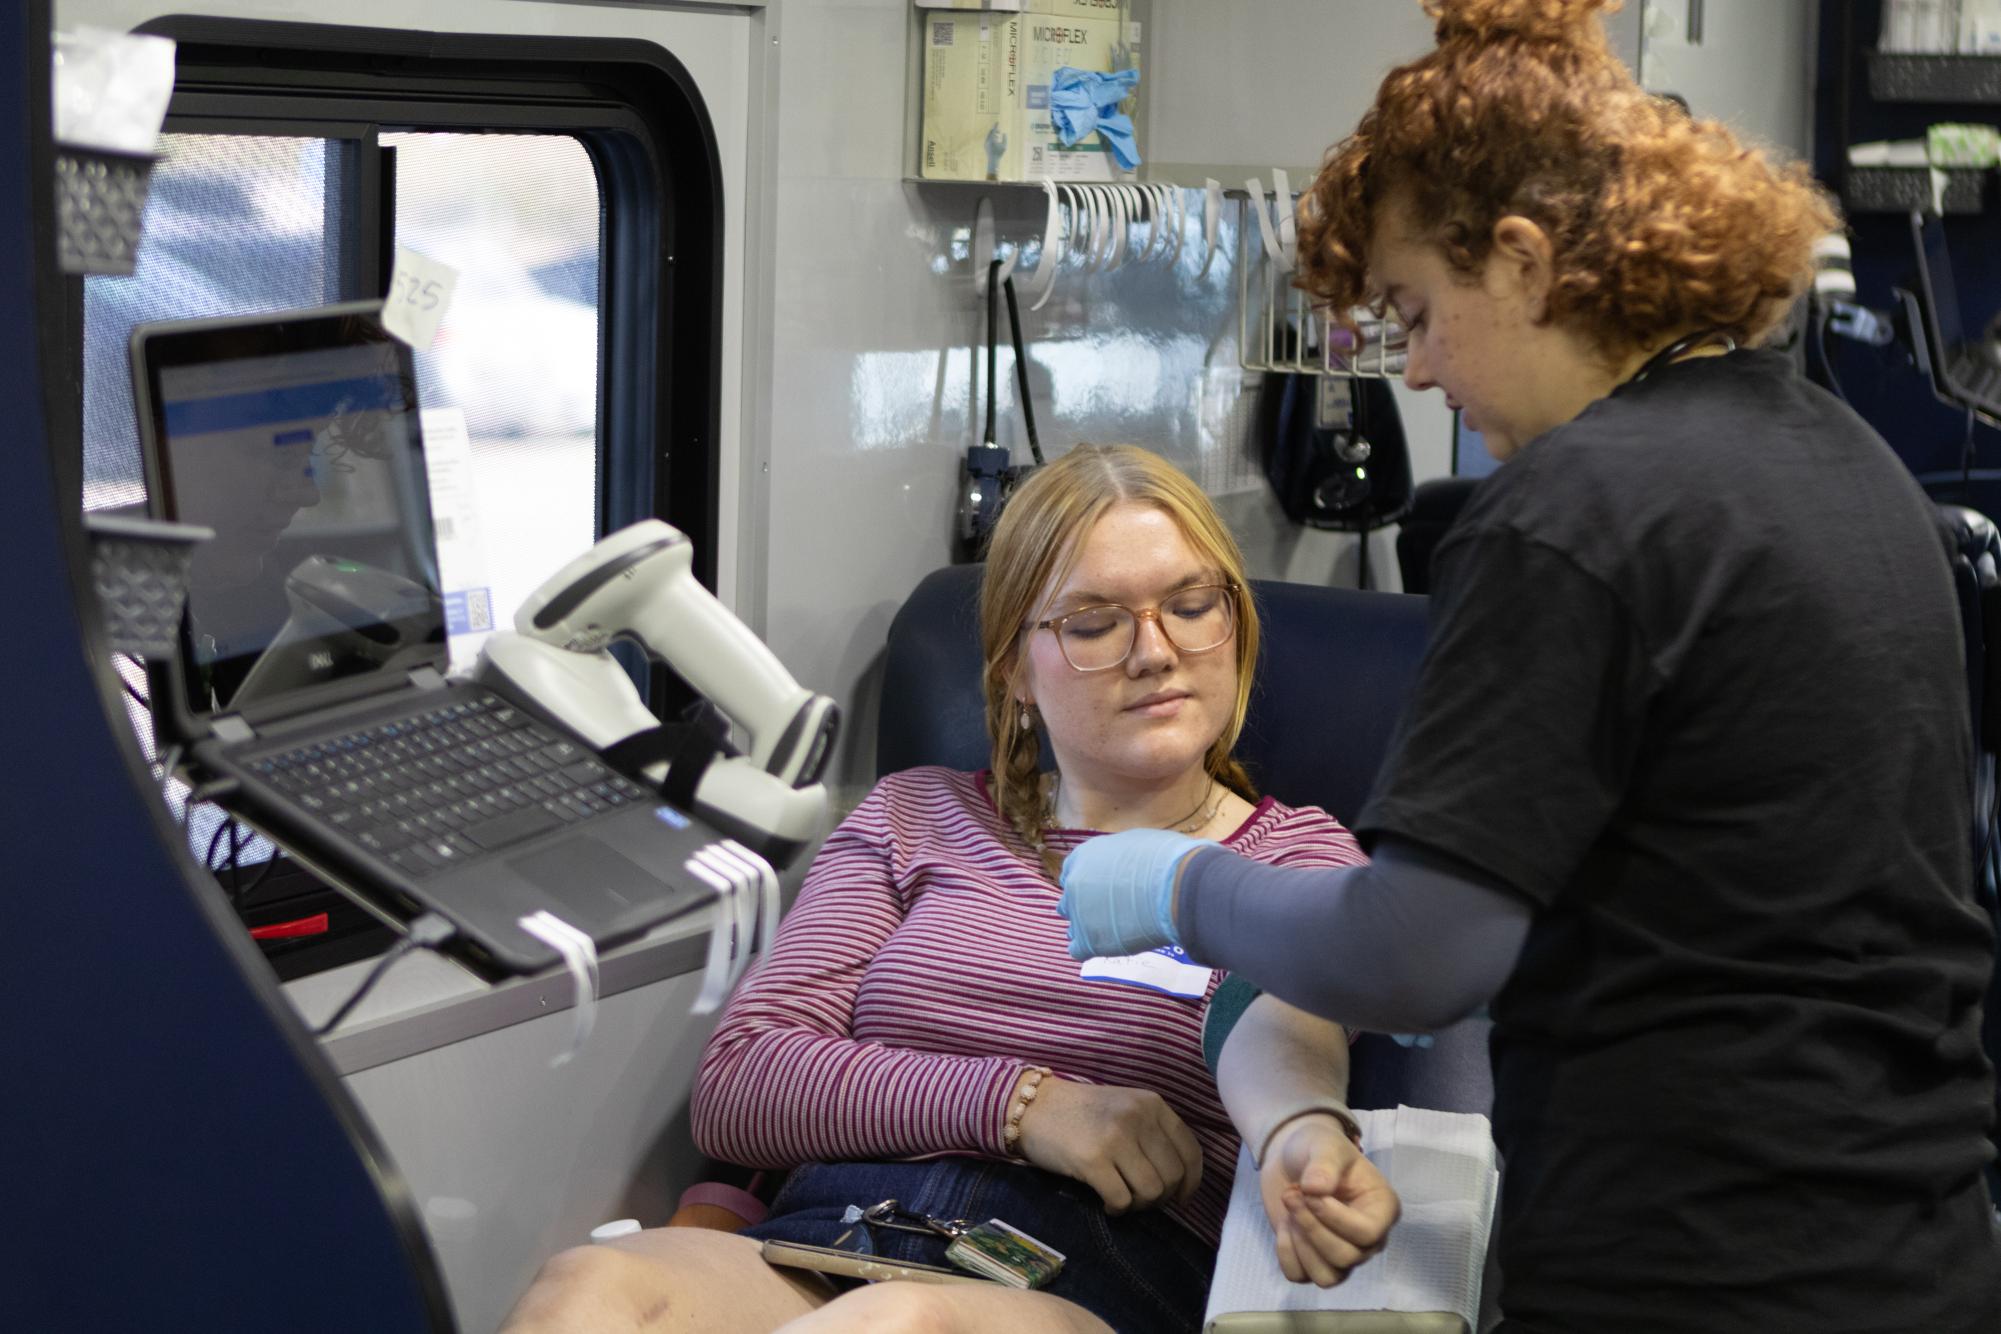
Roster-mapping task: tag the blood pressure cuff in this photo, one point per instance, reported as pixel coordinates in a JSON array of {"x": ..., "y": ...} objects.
[{"x": 1233, "y": 995}]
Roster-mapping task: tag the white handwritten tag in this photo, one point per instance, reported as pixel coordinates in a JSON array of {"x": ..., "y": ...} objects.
[
  {"x": 420, "y": 291},
  {"x": 1166, "y": 969}
]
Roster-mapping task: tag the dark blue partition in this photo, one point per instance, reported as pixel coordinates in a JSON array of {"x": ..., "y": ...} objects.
[{"x": 176, "y": 1155}]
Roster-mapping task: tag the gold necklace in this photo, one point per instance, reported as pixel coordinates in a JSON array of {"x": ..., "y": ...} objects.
[{"x": 1195, "y": 819}]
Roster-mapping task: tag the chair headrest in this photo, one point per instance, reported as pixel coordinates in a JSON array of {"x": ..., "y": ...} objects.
[{"x": 1336, "y": 671}]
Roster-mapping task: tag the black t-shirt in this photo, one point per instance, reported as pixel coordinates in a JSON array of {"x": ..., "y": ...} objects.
[{"x": 1696, "y": 689}]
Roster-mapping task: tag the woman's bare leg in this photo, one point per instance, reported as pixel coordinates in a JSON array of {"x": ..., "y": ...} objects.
[
  {"x": 681, "y": 1280},
  {"x": 697, "y": 1281},
  {"x": 932, "y": 1308}
]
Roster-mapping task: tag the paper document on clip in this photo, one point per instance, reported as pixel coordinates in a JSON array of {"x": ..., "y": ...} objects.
[
  {"x": 462, "y": 572},
  {"x": 1442, "y": 1167}
]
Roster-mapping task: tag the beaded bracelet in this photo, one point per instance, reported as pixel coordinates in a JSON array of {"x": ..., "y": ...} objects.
[{"x": 1024, "y": 1093}]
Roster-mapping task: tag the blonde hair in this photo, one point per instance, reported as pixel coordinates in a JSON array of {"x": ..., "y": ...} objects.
[
  {"x": 1660, "y": 223},
  {"x": 1034, "y": 548}
]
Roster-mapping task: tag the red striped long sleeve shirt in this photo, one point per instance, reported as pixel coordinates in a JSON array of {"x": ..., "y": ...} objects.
[{"x": 924, "y": 967}]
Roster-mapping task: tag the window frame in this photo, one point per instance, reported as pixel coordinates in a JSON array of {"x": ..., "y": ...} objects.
[{"x": 639, "y": 115}]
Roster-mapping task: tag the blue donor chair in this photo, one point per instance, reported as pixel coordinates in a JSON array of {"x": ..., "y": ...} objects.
[{"x": 1335, "y": 672}]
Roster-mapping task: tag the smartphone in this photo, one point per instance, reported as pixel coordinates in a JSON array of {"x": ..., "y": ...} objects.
[{"x": 849, "y": 1264}]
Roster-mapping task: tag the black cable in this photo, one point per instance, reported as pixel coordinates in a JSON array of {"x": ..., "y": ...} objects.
[
  {"x": 396, "y": 951},
  {"x": 993, "y": 337},
  {"x": 1966, "y": 449},
  {"x": 1021, "y": 371},
  {"x": 215, "y": 843},
  {"x": 426, "y": 932},
  {"x": 235, "y": 863},
  {"x": 201, "y": 796},
  {"x": 212, "y": 789},
  {"x": 168, "y": 762}
]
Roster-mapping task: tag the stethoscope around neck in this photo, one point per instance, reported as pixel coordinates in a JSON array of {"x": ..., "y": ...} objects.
[{"x": 1679, "y": 348}]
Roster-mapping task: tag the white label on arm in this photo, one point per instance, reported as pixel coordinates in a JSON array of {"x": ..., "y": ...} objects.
[{"x": 420, "y": 290}]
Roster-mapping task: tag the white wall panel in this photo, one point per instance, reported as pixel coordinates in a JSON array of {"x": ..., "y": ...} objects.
[
  {"x": 1752, "y": 68},
  {"x": 509, "y": 1160},
  {"x": 878, "y": 326},
  {"x": 1276, "y": 81}
]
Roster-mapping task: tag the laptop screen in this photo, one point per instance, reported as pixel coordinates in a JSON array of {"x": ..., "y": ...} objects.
[{"x": 296, "y": 441}]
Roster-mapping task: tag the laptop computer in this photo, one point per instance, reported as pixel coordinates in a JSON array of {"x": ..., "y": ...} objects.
[
  {"x": 310, "y": 667},
  {"x": 1961, "y": 373}
]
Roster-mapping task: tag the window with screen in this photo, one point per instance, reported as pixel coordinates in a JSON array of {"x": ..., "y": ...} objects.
[
  {"x": 559, "y": 178},
  {"x": 517, "y": 353},
  {"x": 235, "y": 224}
]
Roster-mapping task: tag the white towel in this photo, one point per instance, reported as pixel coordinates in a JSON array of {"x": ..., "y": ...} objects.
[{"x": 1441, "y": 1165}]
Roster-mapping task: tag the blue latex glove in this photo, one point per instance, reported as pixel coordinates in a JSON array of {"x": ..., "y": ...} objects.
[
  {"x": 1082, "y": 100},
  {"x": 1118, "y": 891}
]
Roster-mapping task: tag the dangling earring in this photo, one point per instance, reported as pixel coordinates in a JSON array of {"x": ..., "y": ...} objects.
[{"x": 1027, "y": 719}]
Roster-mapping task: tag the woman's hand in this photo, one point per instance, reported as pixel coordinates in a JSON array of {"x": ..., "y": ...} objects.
[
  {"x": 1329, "y": 1207},
  {"x": 1125, "y": 1143}
]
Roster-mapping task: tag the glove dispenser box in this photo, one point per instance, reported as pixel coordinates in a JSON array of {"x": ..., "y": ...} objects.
[{"x": 986, "y": 90}]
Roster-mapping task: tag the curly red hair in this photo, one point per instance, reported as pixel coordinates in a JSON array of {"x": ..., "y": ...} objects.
[{"x": 1659, "y": 223}]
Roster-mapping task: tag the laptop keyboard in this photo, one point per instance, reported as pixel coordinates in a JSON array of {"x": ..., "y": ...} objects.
[{"x": 444, "y": 786}]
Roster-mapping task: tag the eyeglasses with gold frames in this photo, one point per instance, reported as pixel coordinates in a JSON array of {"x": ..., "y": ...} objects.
[{"x": 1195, "y": 619}]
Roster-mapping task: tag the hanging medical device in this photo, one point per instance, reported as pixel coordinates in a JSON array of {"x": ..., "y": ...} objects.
[
  {"x": 638, "y": 584},
  {"x": 1333, "y": 449},
  {"x": 990, "y": 474}
]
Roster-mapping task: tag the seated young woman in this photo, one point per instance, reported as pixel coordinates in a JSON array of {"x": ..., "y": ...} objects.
[{"x": 920, "y": 1033}]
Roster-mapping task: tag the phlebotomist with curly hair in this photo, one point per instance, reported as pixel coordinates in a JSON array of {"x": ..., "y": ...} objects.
[{"x": 1683, "y": 791}]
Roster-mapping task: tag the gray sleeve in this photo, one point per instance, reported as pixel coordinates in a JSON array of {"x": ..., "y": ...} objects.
[{"x": 1409, "y": 943}]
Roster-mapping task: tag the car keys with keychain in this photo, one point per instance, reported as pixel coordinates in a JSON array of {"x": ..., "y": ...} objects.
[{"x": 991, "y": 1249}]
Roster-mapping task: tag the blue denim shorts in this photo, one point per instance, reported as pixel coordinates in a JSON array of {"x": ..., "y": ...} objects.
[{"x": 1141, "y": 1271}]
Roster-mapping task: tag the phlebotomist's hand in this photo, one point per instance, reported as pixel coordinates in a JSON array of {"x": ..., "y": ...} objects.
[
  {"x": 1118, "y": 891},
  {"x": 1330, "y": 1209}
]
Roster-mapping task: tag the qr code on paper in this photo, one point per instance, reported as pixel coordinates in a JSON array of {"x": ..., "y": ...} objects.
[
  {"x": 468, "y": 612},
  {"x": 941, "y": 33}
]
